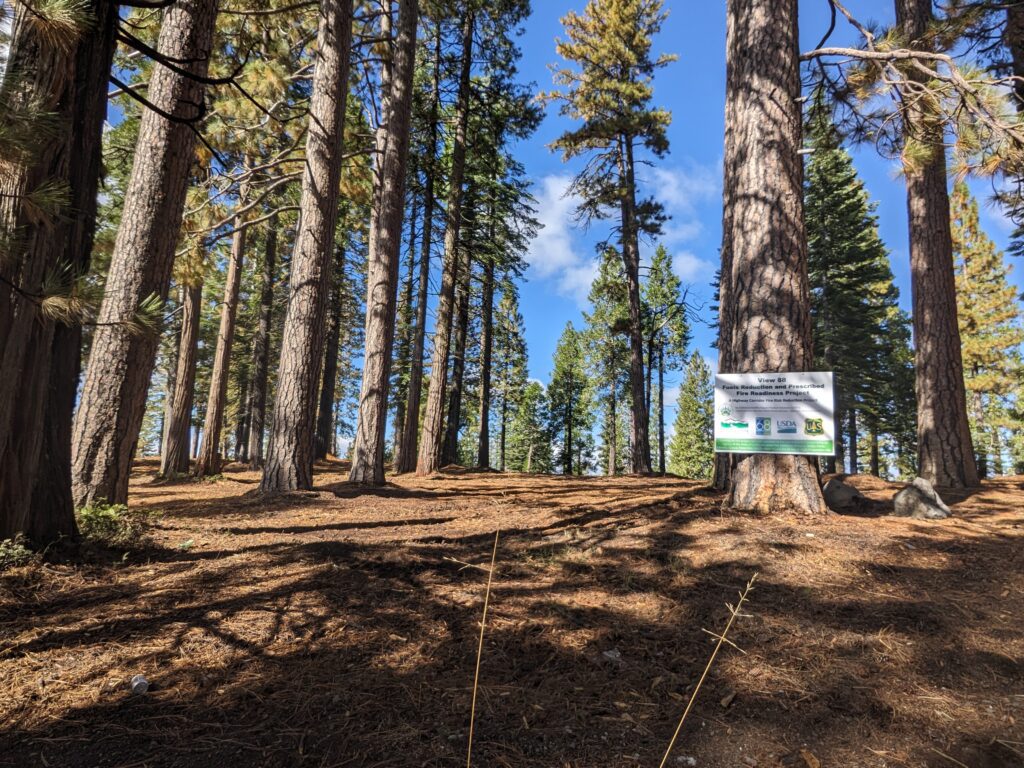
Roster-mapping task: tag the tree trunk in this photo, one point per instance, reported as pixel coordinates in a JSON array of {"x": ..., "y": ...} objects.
[
  {"x": 407, "y": 456},
  {"x": 945, "y": 450},
  {"x": 504, "y": 427},
  {"x": 567, "y": 461},
  {"x": 289, "y": 463},
  {"x": 242, "y": 420},
  {"x": 210, "y": 459},
  {"x": 764, "y": 249},
  {"x": 661, "y": 410},
  {"x": 385, "y": 253},
  {"x": 40, "y": 358},
  {"x": 405, "y": 343},
  {"x": 851, "y": 430},
  {"x": 613, "y": 426},
  {"x": 631, "y": 258},
  {"x": 113, "y": 398},
  {"x": 431, "y": 445},
  {"x": 329, "y": 380},
  {"x": 175, "y": 456},
  {"x": 839, "y": 462},
  {"x": 261, "y": 351},
  {"x": 876, "y": 469},
  {"x": 450, "y": 453},
  {"x": 483, "y": 456}
]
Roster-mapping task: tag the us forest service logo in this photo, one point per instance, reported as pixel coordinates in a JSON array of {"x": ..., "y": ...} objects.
[{"x": 814, "y": 427}]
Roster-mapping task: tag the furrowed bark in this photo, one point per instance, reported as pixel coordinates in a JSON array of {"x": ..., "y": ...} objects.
[
  {"x": 450, "y": 453},
  {"x": 175, "y": 457},
  {"x": 328, "y": 382},
  {"x": 385, "y": 254},
  {"x": 261, "y": 351},
  {"x": 765, "y": 294},
  {"x": 210, "y": 458},
  {"x": 431, "y": 444},
  {"x": 945, "y": 449},
  {"x": 289, "y": 464},
  {"x": 121, "y": 362}
]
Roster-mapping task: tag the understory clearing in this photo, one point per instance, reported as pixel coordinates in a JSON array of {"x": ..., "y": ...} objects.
[{"x": 340, "y": 627}]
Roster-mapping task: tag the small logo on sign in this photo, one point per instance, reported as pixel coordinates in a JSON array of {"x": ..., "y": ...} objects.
[
  {"x": 735, "y": 425},
  {"x": 786, "y": 426},
  {"x": 763, "y": 425},
  {"x": 814, "y": 427}
]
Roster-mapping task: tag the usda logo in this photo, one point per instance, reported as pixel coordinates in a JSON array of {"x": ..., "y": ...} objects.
[{"x": 786, "y": 426}]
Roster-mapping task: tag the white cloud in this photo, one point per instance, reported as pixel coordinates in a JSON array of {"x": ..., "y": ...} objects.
[{"x": 552, "y": 254}]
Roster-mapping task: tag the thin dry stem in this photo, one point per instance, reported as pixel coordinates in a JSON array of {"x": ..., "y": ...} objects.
[
  {"x": 733, "y": 614},
  {"x": 480, "y": 650}
]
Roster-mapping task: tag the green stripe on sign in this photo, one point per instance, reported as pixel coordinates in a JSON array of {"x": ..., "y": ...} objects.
[{"x": 751, "y": 445}]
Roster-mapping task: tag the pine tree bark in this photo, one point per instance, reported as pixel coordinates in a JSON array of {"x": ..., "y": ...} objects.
[
  {"x": 405, "y": 342},
  {"x": 385, "y": 252},
  {"x": 450, "y": 452},
  {"x": 661, "y": 410},
  {"x": 175, "y": 457},
  {"x": 114, "y": 392},
  {"x": 851, "y": 436},
  {"x": 289, "y": 463},
  {"x": 483, "y": 454},
  {"x": 405, "y": 460},
  {"x": 329, "y": 380},
  {"x": 210, "y": 459},
  {"x": 242, "y": 420},
  {"x": 765, "y": 292},
  {"x": 261, "y": 351},
  {"x": 945, "y": 449},
  {"x": 431, "y": 444},
  {"x": 45, "y": 471},
  {"x": 613, "y": 427},
  {"x": 631, "y": 258}
]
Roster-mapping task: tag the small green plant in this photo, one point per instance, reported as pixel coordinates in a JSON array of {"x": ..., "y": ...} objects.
[
  {"x": 14, "y": 553},
  {"x": 113, "y": 524}
]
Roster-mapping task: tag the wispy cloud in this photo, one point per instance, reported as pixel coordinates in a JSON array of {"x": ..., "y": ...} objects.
[{"x": 553, "y": 254}]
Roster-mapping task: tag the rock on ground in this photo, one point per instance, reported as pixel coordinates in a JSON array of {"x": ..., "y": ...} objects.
[{"x": 920, "y": 501}]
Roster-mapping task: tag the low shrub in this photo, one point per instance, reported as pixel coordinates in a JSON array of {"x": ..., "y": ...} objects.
[
  {"x": 14, "y": 553},
  {"x": 113, "y": 524}
]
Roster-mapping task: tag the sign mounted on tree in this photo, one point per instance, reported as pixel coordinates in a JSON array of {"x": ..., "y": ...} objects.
[{"x": 775, "y": 413}]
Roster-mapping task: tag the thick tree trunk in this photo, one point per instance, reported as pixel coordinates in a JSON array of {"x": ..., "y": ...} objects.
[
  {"x": 113, "y": 397},
  {"x": 385, "y": 253},
  {"x": 483, "y": 454},
  {"x": 261, "y": 351},
  {"x": 407, "y": 456},
  {"x": 764, "y": 279},
  {"x": 631, "y": 258},
  {"x": 289, "y": 463},
  {"x": 37, "y": 395},
  {"x": 450, "y": 453},
  {"x": 945, "y": 450},
  {"x": 431, "y": 444},
  {"x": 175, "y": 457},
  {"x": 329, "y": 379},
  {"x": 210, "y": 458}
]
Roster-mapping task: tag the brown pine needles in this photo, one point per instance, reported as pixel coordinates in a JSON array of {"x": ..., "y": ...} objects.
[{"x": 733, "y": 614}]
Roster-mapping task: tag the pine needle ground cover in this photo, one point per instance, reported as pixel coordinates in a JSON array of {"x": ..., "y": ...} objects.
[{"x": 340, "y": 629}]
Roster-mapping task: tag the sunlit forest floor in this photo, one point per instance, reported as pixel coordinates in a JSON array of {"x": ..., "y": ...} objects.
[{"x": 340, "y": 628}]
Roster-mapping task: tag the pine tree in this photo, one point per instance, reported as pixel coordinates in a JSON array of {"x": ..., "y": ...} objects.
[
  {"x": 609, "y": 90},
  {"x": 667, "y": 333},
  {"x": 529, "y": 439},
  {"x": 692, "y": 452},
  {"x": 853, "y": 297},
  {"x": 508, "y": 366},
  {"x": 570, "y": 404},
  {"x": 990, "y": 326}
]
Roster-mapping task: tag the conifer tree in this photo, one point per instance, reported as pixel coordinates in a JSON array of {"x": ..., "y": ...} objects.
[
  {"x": 570, "y": 404},
  {"x": 508, "y": 367},
  {"x": 667, "y": 335},
  {"x": 990, "y": 327},
  {"x": 852, "y": 292},
  {"x": 609, "y": 89},
  {"x": 692, "y": 451},
  {"x": 608, "y": 354},
  {"x": 529, "y": 440}
]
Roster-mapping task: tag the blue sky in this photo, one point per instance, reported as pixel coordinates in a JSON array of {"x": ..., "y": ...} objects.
[{"x": 688, "y": 181}]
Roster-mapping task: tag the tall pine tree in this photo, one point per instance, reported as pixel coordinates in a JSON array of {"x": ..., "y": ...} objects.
[{"x": 692, "y": 452}]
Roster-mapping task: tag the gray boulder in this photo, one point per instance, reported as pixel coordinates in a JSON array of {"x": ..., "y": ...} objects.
[
  {"x": 920, "y": 501},
  {"x": 842, "y": 497}
]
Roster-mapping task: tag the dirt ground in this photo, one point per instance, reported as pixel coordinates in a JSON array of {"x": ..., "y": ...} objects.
[{"x": 340, "y": 628}]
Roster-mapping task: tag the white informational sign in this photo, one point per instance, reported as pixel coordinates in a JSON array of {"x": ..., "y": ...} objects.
[{"x": 775, "y": 413}]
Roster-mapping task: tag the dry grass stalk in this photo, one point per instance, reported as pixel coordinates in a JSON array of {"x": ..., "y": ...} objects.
[
  {"x": 722, "y": 639},
  {"x": 480, "y": 650}
]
